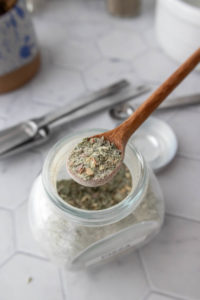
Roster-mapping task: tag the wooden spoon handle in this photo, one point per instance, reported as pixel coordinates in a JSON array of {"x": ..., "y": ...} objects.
[{"x": 127, "y": 128}]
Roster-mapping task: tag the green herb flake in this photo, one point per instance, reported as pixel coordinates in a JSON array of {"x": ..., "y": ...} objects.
[{"x": 30, "y": 279}]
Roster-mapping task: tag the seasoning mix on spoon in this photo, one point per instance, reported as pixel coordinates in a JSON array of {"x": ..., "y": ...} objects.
[
  {"x": 96, "y": 198},
  {"x": 94, "y": 158}
]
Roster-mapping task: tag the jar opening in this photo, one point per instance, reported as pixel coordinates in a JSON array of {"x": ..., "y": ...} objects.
[{"x": 54, "y": 169}]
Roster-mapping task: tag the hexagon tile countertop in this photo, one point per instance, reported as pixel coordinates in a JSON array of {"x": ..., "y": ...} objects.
[{"x": 84, "y": 48}]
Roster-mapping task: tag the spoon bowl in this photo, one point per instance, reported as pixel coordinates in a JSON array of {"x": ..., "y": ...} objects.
[{"x": 94, "y": 182}]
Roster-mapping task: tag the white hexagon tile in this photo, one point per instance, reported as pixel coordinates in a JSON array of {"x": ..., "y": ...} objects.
[
  {"x": 56, "y": 85},
  {"x": 69, "y": 54},
  {"x": 24, "y": 238},
  {"x": 100, "y": 120},
  {"x": 31, "y": 109},
  {"x": 7, "y": 101},
  {"x": 17, "y": 176},
  {"x": 108, "y": 71},
  {"x": 150, "y": 38},
  {"x": 44, "y": 31},
  {"x": 154, "y": 296},
  {"x": 25, "y": 277},
  {"x": 105, "y": 282},
  {"x": 65, "y": 12},
  {"x": 180, "y": 184},
  {"x": 172, "y": 259},
  {"x": 189, "y": 144},
  {"x": 2, "y": 122},
  {"x": 148, "y": 68},
  {"x": 89, "y": 30},
  {"x": 122, "y": 44},
  {"x": 190, "y": 85}
]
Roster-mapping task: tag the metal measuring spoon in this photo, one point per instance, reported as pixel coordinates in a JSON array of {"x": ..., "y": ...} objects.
[{"x": 121, "y": 111}]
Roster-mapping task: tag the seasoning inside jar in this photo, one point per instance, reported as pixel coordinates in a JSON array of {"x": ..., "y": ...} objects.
[{"x": 96, "y": 198}]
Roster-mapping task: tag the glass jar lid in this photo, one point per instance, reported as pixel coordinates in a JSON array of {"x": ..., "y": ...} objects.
[{"x": 156, "y": 141}]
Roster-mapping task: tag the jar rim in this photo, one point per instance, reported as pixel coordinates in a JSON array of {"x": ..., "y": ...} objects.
[{"x": 97, "y": 217}]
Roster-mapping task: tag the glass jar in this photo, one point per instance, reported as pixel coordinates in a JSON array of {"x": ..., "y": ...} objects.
[{"x": 77, "y": 238}]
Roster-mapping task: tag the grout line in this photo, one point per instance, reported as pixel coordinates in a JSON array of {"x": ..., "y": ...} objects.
[
  {"x": 182, "y": 217},
  {"x": 50, "y": 105},
  {"x": 32, "y": 255},
  {"x": 59, "y": 65},
  {"x": 94, "y": 63},
  {"x": 146, "y": 297},
  {"x": 76, "y": 69},
  {"x": 169, "y": 295},
  {"x": 97, "y": 46},
  {"x": 11, "y": 214},
  {"x": 155, "y": 83},
  {"x": 7, "y": 260},
  {"x": 20, "y": 204},
  {"x": 61, "y": 284},
  {"x": 188, "y": 156},
  {"x": 14, "y": 228},
  {"x": 147, "y": 277},
  {"x": 43, "y": 104},
  {"x": 9, "y": 210},
  {"x": 142, "y": 53},
  {"x": 82, "y": 75},
  {"x": 59, "y": 22}
]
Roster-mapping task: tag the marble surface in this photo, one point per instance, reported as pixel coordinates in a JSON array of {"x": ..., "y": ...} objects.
[{"x": 84, "y": 48}]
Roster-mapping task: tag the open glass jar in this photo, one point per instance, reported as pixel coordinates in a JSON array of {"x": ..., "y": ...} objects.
[{"x": 75, "y": 238}]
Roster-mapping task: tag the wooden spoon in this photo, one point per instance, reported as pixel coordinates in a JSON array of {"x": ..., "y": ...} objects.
[{"x": 121, "y": 134}]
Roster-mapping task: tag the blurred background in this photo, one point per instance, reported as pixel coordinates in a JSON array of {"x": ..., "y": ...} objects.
[{"x": 69, "y": 48}]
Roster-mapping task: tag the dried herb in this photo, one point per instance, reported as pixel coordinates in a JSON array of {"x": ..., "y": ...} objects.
[
  {"x": 96, "y": 198},
  {"x": 30, "y": 279},
  {"x": 94, "y": 158}
]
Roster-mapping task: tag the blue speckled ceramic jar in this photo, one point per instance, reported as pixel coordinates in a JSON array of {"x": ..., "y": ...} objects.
[{"x": 19, "y": 55}]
